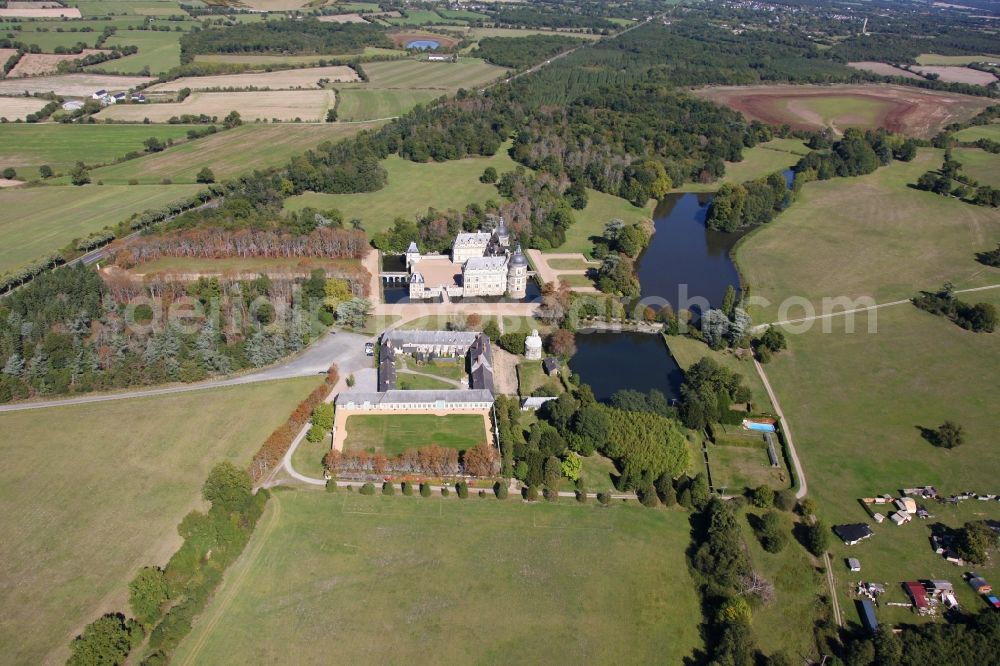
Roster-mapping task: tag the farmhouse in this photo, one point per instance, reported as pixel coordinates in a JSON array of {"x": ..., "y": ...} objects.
[
  {"x": 551, "y": 366},
  {"x": 853, "y": 533},
  {"x": 396, "y": 400},
  {"x": 485, "y": 260}
]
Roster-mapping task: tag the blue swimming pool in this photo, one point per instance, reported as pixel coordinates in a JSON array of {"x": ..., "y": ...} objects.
[
  {"x": 423, "y": 44},
  {"x": 762, "y": 427}
]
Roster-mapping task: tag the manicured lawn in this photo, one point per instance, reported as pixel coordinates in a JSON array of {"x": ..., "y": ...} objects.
[
  {"x": 91, "y": 493},
  {"x": 412, "y": 189},
  {"x": 569, "y": 264},
  {"x": 737, "y": 467},
  {"x": 392, "y": 434},
  {"x": 531, "y": 377},
  {"x": 39, "y": 220},
  {"x": 308, "y": 457},
  {"x": 225, "y": 153},
  {"x": 980, "y": 165},
  {"x": 869, "y": 236},
  {"x": 409, "y": 381},
  {"x": 598, "y": 473},
  {"x": 576, "y": 280},
  {"x": 991, "y": 132},
  {"x": 360, "y": 104},
  {"x": 390, "y": 579},
  {"x": 61, "y": 146},
  {"x": 446, "y": 369}
]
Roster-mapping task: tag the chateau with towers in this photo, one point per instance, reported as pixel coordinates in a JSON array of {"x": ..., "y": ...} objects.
[{"x": 481, "y": 264}]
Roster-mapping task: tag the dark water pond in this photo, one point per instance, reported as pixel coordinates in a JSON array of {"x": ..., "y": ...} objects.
[
  {"x": 613, "y": 361},
  {"x": 685, "y": 264}
]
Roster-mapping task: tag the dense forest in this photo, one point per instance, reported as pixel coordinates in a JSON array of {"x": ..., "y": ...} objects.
[
  {"x": 283, "y": 37},
  {"x": 70, "y": 331},
  {"x": 523, "y": 52}
]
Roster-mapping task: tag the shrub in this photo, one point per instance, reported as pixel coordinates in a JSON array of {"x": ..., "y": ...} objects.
[
  {"x": 227, "y": 487},
  {"x": 45, "y": 171},
  {"x": 331, "y": 485},
  {"x": 482, "y": 494},
  {"x": 817, "y": 538},
  {"x": 500, "y": 490},
  {"x": 462, "y": 488},
  {"x": 407, "y": 488},
  {"x": 772, "y": 532},
  {"x": 9, "y": 173},
  {"x": 146, "y": 595},
  {"x": 531, "y": 493},
  {"x": 763, "y": 497},
  {"x": 785, "y": 500},
  {"x": 367, "y": 489},
  {"x": 425, "y": 489},
  {"x": 647, "y": 495},
  {"x": 388, "y": 489},
  {"x": 604, "y": 498},
  {"x": 551, "y": 494},
  {"x": 445, "y": 492}
]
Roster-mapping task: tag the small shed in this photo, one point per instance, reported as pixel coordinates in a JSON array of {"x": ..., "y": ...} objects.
[
  {"x": 939, "y": 587},
  {"x": 853, "y": 564},
  {"x": 551, "y": 366},
  {"x": 916, "y": 592},
  {"x": 879, "y": 518},
  {"x": 866, "y": 609}
]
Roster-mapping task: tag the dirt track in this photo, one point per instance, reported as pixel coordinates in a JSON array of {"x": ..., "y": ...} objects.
[{"x": 907, "y": 110}]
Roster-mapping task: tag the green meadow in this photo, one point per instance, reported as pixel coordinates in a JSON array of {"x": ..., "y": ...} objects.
[
  {"x": 392, "y": 434},
  {"x": 93, "y": 492},
  {"x": 37, "y": 221},
  {"x": 389, "y": 579}
]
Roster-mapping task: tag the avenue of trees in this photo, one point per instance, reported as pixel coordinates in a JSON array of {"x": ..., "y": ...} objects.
[{"x": 979, "y": 318}]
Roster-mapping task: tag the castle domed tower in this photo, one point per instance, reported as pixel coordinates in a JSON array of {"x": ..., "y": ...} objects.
[
  {"x": 533, "y": 346},
  {"x": 503, "y": 233},
  {"x": 517, "y": 275}
]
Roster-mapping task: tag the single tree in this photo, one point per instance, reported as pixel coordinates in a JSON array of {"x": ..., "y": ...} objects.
[
  {"x": 147, "y": 594},
  {"x": 205, "y": 176},
  {"x": 227, "y": 487},
  {"x": 45, "y": 171},
  {"x": 79, "y": 175},
  {"x": 489, "y": 176},
  {"x": 949, "y": 435}
]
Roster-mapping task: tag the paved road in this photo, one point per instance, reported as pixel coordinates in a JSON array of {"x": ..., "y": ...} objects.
[
  {"x": 344, "y": 349},
  {"x": 789, "y": 442}
]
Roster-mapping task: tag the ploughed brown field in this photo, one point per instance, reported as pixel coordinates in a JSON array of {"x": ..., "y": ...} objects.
[{"x": 911, "y": 111}]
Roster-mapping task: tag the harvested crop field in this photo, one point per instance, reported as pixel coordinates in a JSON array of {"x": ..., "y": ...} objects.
[
  {"x": 343, "y": 18},
  {"x": 16, "y": 108},
  {"x": 959, "y": 75},
  {"x": 40, "y": 12},
  {"x": 404, "y": 38},
  {"x": 307, "y": 105},
  {"x": 71, "y": 85},
  {"x": 883, "y": 69},
  {"x": 33, "y": 64},
  {"x": 911, "y": 111},
  {"x": 6, "y": 54},
  {"x": 281, "y": 80}
]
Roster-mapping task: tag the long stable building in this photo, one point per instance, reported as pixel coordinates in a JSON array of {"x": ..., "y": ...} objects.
[{"x": 396, "y": 400}]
